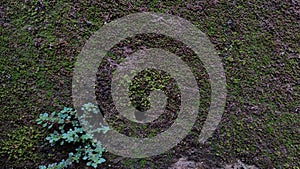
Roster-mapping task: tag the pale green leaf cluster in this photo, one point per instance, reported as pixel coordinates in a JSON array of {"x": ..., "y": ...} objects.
[{"x": 70, "y": 131}]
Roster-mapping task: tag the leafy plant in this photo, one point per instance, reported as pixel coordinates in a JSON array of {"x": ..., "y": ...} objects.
[{"x": 66, "y": 129}]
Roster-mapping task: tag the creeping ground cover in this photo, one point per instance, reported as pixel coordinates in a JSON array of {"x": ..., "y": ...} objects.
[{"x": 258, "y": 43}]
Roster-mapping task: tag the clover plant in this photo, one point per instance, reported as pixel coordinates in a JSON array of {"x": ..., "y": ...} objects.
[{"x": 66, "y": 129}]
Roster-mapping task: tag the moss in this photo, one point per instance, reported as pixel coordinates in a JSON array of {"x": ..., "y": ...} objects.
[
  {"x": 257, "y": 41},
  {"x": 21, "y": 145}
]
